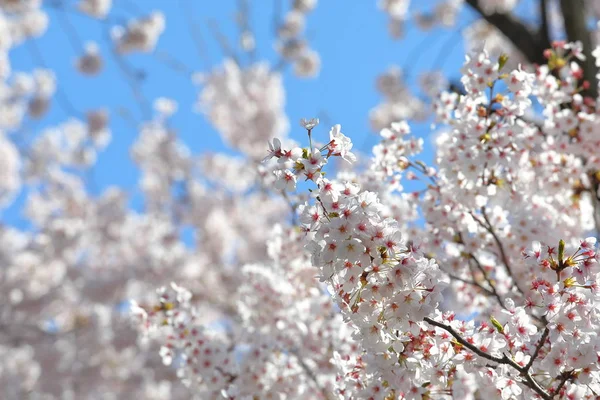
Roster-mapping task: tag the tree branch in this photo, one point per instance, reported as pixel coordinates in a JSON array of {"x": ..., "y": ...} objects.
[
  {"x": 544, "y": 31},
  {"x": 564, "y": 377},
  {"x": 516, "y": 32},
  {"x": 538, "y": 348},
  {"x": 311, "y": 375},
  {"x": 503, "y": 256},
  {"x": 574, "y": 15},
  {"x": 488, "y": 280},
  {"x": 524, "y": 371}
]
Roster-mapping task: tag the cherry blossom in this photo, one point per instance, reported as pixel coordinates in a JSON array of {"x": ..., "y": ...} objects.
[{"x": 305, "y": 270}]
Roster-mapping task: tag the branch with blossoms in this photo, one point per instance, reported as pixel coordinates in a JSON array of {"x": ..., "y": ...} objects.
[
  {"x": 524, "y": 371},
  {"x": 389, "y": 288}
]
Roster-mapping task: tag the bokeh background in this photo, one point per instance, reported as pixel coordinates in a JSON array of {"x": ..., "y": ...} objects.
[{"x": 351, "y": 38}]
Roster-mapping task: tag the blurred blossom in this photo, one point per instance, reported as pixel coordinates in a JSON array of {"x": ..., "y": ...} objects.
[
  {"x": 95, "y": 8},
  {"x": 246, "y": 106},
  {"x": 307, "y": 64},
  {"x": 165, "y": 107},
  {"x": 10, "y": 165},
  {"x": 140, "y": 35},
  {"x": 90, "y": 63}
]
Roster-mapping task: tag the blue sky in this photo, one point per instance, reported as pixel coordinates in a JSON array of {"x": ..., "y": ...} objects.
[{"x": 350, "y": 36}]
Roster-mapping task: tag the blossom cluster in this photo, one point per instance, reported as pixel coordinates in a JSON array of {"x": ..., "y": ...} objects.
[
  {"x": 390, "y": 277},
  {"x": 290, "y": 44},
  {"x": 280, "y": 344},
  {"x": 391, "y": 289}
]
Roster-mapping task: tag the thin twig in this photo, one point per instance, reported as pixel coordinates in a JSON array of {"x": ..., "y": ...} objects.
[
  {"x": 276, "y": 21},
  {"x": 195, "y": 33},
  {"x": 223, "y": 42},
  {"x": 61, "y": 97},
  {"x": 245, "y": 27},
  {"x": 503, "y": 256},
  {"x": 488, "y": 280},
  {"x": 449, "y": 44},
  {"x": 311, "y": 375},
  {"x": 565, "y": 377},
  {"x": 468, "y": 282},
  {"x": 538, "y": 348},
  {"x": 173, "y": 63},
  {"x": 132, "y": 79},
  {"x": 69, "y": 29},
  {"x": 292, "y": 207}
]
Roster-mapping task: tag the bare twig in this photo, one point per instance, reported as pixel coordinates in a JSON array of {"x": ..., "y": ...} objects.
[
  {"x": 503, "y": 256},
  {"x": 131, "y": 77},
  {"x": 487, "y": 291},
  {"x": 223, "y": 42},
  {"x": 173, "y": 63},
  {"x": 488, "y": 281},
  {"x": 244, "y": 24},
  {"x": 195, "y": 33},
  {"x": 311, "y": 375},
  {"x": 293, "y": 207},
  {"x": 69, "y": 30},
  {"x": 276, "y": 22},
  {"x": 61, "y": 97}
]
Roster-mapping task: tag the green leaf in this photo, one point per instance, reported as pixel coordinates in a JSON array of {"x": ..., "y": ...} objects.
[
  {"x": 502, "y": 61},
  {"x": 561, "y": 250},
  {"x": 497, "y": 324}
]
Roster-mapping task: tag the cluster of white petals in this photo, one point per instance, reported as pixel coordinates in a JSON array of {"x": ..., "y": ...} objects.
[
  {"x": 25, "y": 94},
  {"x": 303, "y": 271},
  {"x": 498, "y": 179},
  {"x": 280, "y": 345}
]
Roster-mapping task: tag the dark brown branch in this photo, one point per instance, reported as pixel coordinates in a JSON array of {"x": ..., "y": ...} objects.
[
  {"x": 528, "y": 379},
  {"x": 564, "y": 377},
  {"x": 459, "y": 339},
  {"x": 516, "y": 32},
  {"x": 574, "y": 15},
  {"x": 538, "y": 348},
  {"x": 596, "y": 202},
  {"x": 544, "y": 31}
]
